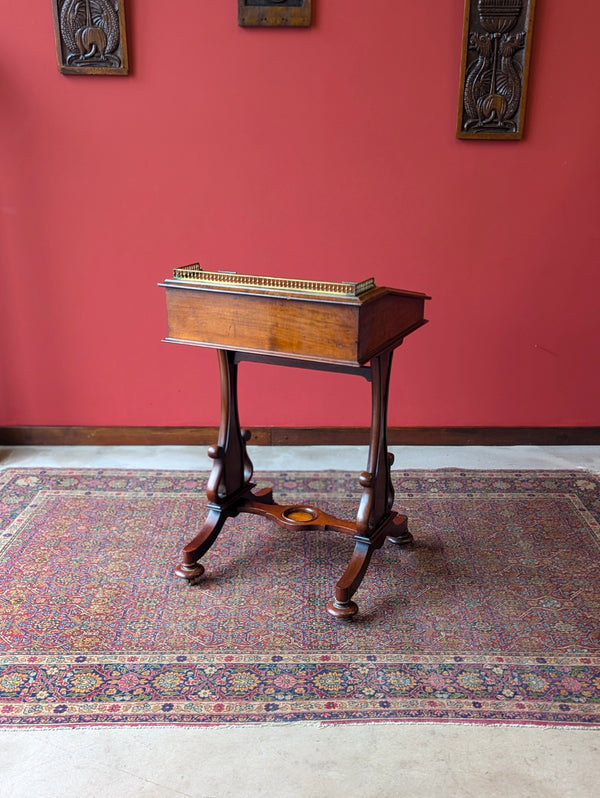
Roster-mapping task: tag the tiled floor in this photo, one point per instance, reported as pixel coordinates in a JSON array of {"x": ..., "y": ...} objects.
[{"x": 371, "y": 761}]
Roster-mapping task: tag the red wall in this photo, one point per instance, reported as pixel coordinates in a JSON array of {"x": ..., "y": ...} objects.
[{"x": 319, "y": 153}]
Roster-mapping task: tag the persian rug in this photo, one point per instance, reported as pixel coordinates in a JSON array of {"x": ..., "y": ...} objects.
[{"x": 493, "y": 616}]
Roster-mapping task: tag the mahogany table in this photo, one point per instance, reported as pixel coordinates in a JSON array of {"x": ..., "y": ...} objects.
[{"x": 352, "y": 328}]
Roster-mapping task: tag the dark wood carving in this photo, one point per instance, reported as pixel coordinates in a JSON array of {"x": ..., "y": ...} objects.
[
  {"x": 274, "y": 13},
  {"x": 90, "y": 37},
  {"x": 494, "y": 68}
]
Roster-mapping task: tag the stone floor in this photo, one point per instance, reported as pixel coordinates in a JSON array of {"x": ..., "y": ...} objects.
[{"x": 303, "y": 760}]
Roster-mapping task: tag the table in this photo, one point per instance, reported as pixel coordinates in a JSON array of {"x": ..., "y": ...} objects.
[{"x": 349, "y": 328}]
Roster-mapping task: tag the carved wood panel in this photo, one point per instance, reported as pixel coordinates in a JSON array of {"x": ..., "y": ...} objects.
[
  {"x": 494, "y": 68},
  {"x": 274, "y": 13},
  {"x": 90, "y": 37}
]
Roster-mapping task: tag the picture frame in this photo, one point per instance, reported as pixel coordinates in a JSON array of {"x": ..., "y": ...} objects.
[{"x": 274, "y": 13}]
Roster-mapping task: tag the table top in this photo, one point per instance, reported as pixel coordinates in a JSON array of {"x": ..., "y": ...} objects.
[{"x": 330, "y": 322}]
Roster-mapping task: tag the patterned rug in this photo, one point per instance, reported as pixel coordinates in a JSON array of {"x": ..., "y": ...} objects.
[{"x": 492, "y": 617}]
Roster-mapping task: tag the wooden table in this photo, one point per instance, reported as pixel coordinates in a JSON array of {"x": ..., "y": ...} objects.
[{"x": 351, "y": 328}]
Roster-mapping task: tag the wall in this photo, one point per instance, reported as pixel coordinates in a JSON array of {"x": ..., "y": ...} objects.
[{"x": 327, "y": 152}]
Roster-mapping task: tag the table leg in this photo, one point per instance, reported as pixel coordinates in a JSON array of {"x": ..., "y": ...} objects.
[
  {"x": 375, "y": 519},
  {"x": 229, "y": 482},
  {"x": 230, "y": 490}
]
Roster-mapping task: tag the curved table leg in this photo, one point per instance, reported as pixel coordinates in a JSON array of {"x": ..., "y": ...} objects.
[
  {"x": 229, "y": 483},
  {"x": 342, "y": 606},
  {"x": 375, "y": 518},
  {"x": 395, "y": 529},
  {"x": 190, "y": 568}
]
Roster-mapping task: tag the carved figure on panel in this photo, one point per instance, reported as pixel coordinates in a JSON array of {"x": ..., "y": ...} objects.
[
  {"x": 496, "y": 49},
  {"x": 90, "y": 29},
  {"x": 90, "y": 36}
]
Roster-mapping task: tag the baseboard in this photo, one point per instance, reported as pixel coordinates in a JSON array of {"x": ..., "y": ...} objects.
[{"x": 300, "y": 436}]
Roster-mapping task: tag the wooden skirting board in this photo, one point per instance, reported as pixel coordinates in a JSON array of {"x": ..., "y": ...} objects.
[{"x": 296, "y": 436}]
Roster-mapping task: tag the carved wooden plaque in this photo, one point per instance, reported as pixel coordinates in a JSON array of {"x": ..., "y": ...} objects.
[
  {"x": 274, "y": 12},
  {"x": 494, "y": 68},
  {"x": 90, "y": 37}
]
